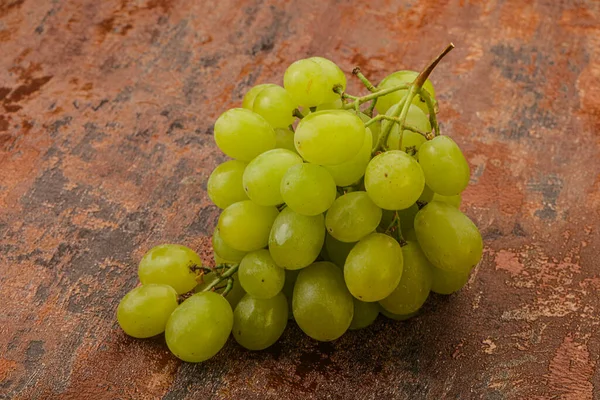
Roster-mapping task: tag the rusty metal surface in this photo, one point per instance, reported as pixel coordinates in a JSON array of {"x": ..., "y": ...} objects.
[{"x": 106, "y": 112}]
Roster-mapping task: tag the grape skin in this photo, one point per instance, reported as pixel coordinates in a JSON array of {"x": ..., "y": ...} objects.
[
  {"x": 169, "y": 264},
  {"x": 352, "y": 216},
  {"x": 242, "y": 134},
  {"x": 260, "y": 276},
  {"x": 245, "y": 226},
  {"x": 259, "y": 323}
]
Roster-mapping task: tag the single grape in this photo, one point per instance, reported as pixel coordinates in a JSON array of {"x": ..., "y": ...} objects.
[
  {"x": 449, "y": 239},
  {"x": 337, "y": 251},
  {"x": 308, "y": 189},
  {"x": 296, "y": 240},
  {"x": 262, "y": 177},
  {"x": 170, "y": 264},
  {"x": 452, "y": 200},
  {"x": 323, "y": 307},
  {"x": 396, "y": 79},
  {"x": 245, "y": 225},
  {"x": 411, "y": 141},
  {"x": 199, "y": 327},
  {"x": 220, "y": 260},
  {"x": 394, "y": 180},
  {"x": 448, "y": 282},
  {"x": 224, "y": 251},
  {"x": 334, "y": 76},
  {"x": 243, "y": 135},
  {"x": 352, "y": 217},
  {"x": 260, "y": 276},
  {"x": 144, "y": 311},
  {"x": 364, "y": 314},
  {"x": 284, "y": 139},
  {"x": 275, "y": 105},
  {"x": 288, "y": 288},
  {"x": 305, "y": 82},
  {"x": 444, "y": 165},
  {"x": 258, "y": 323},
  {"x": 329, "y": 137},
  {"x": 336, "y": 105},
  {"x": 426, "y": 195},
  {"x": 397, "y": 317},
  {"x": 235, "y": 294},
  {"x": 374, "y": 267},
  {"x": 251, "y": 94},
  {"x": 415, "y": 284},
  {"x": 351, "y": 171},
  {"x": 224, "y": 185}
]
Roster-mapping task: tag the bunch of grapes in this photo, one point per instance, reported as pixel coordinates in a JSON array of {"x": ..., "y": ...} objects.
[{"x": 331, "y": 215}]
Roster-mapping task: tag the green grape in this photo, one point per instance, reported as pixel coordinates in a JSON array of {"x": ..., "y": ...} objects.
[
  {"x": 259, "y": 323},
  {"x": 333, "y": 75},
  {"x": 243, "y": 135},
  {"x": 262, "y": 177},
  {"x": 224, "y": 251},
  {"x": 364, "y": 314},
  {"x": 251, "y": 94},
  {"x": 284, "y": 139},
  {"x": 144, "y": 311},
  {"x": 221, "y": 260},
  {"x": 415, "y": 284},
  {"x": 296, "y": 240},
  {"x": 426, "y": 196},
  {"x": 447, "y": 282},
  {"x": 235, "y": 294},
  {"x": 352, "y": 217},
  {"x": 397, "y": 317},
  {"x": 329, "y": 137},
  {"x": 394, "y": 180},
  {"x": 224, "y": 185},
  {"x": 445, "y": 168},
  {"x": 335, "y": 105},
  {"x": 454, "y": 201},
  {"x": 323, "y": 307},
  {"x": 260, "y": 276},
  {"x": 308, "y": 189},
  {"x": 411, "y": 141},
  {"x": 275, "y": 105},
  {"x": 351, "y": 171},
  {"x": 288, "y": 288},
  {"x": 373, "y": 267},
  {"x": 245, "y": 225},
  {"x": 306, "y": 83},
  {"x": 396, "y": 79},
  {"x": 375, "y": 128},
  {"x": 199, "y": 327},
  {"x": 338, "y": 251},
  {"x": 169, "y": 264},
  {"x": 449, "y": 239}
]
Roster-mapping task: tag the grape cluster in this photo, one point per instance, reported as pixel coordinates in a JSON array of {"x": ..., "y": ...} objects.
[{"x": 330, "y": 217}]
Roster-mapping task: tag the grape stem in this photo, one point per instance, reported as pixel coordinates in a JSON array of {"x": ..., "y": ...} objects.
[
  {"x": 411, "y": 128},
  {"x": 228, "y": 287},
  {"x": 297, "y": 113},
  {"x": 433, "y": 110},
  {"x": 370, "y": 87},
  {"x": 224, "y": 276},
  {"x": 372, "y": 96}
]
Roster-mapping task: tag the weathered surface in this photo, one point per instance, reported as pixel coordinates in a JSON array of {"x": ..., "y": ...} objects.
[{"x": 105, "y": 147}]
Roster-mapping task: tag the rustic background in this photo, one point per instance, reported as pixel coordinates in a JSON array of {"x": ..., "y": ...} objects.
[{"x": 106, "y": 115}]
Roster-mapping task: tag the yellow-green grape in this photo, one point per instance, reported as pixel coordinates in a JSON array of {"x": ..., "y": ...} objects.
[
  {"x": 394, "y": 180},
  {"x": 170, "y": 264},
  {"x": 308, "y": 189},
  {"x": 375, "y": 128},
  {"x": 288, "y": 288},
  {"x": 333, "y": 75},
  {"x": 323, "y": 307},
  {"x": 260, "y": 276},
  {"x": 262, "y": 177},
  {"x": 296, "y": 240},
  {"x": 426, "y": 196},
  {"x": 336, "y": 105},
  {"x": 415, "y": 284},
  {"x": 448, "y": 282},
  {"x": 259, "y": 323},
  {"x": 352, "y": 217},
  {"x": 144, "y": 311},
  {"x": 251, "y": 94},
  {"x": 329, "y": 137},
  {"x": 275, "y": 105},
  {"x": 411, "y": 141},
  {"x": 374, "y": 267},
  {"x": 444, "y": 165},
  {"x": 396, "y": 79},
  {"x": 199, "y": 327},
  {"x": 351, "y": 171},
  {"x": 220, "y": 260},
  {"x": 397, "y": 317},
  {"x": 364, "y": 314},
  {"x": 449, "y": 239},
  {"x": 224, "y": 251},
  {"x": 305, "y": 82},
  {"x": 224, "y": 185},
  {"x": 243, "y": 135},
  {"x": 235, "y": 294},
  {"x": 245, "y": 225},
  {"x": 337, "y": 251},
  {"x": 284, "y": 139},
  {"x": 452, "y": 200}
]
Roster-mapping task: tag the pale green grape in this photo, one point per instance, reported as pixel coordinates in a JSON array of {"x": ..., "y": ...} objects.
[
  {"x": 245, "y": 225},
  {"x": 333, "y": 75},
  {"x": 260, "y": 276},
  {"x": 329, "y": 137},
  {"x": 262, "y": 177},
  {"x": 415, "y": 284},
  {"x": 235, "y": 294},
  {"x": 444, "y": 165},
  {"x": 352, "y": 217},
  {"x": 144, "y": 311},
  {"x": 394, "y": 180},
  {"x": 449, "y": 239},
  {"x": 374, "y": 267},
  {"x": 323, "y": 307},
  {"x": 199, "y": 327},
  {"x": 169, "y": 264},
  {"x": 306, "y": 83},
  {"x": 351, "y": 171},
  {"x": 308, "y": 189},
  {"x": 288, "y": 288},
  {"x": 296, "y": 240},
  {"x": 224, "y": 185},
  {"x": 335, "y": 105},
  {"x": 448, "y": 282},
  {"x": 396, "y": 79},
  {"x": 397, "y": 317},
  {"x": 251, "y": 94},
  {"x": 221, "y": 260},
  {"x": 224, "y": 251},
  {"x": 258, "y": 323},
  {"x": 411, "y": 141},
  {"x": 426, "y": 196},
  {"x": 284, "y": 139},
  {"x": 337, "y": 251},
  {"x": 243, "y": 135},
  {"x": 275, "y": 105},
  {"x": 452, "y": 200},
  {"x": 364, "y": 314}
]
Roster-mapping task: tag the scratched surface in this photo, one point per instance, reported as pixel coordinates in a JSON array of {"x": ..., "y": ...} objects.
[{"x": 106, "y": 113}]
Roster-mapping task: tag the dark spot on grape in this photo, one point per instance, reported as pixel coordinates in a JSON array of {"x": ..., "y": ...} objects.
[
  {"x": 386, "y": 175},
  {"x": 262, "y": 280},
  {"x": 330, "y": 229}
]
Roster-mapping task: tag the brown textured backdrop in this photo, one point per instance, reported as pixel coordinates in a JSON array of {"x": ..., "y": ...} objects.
[{"x": 106, "y": 113}]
